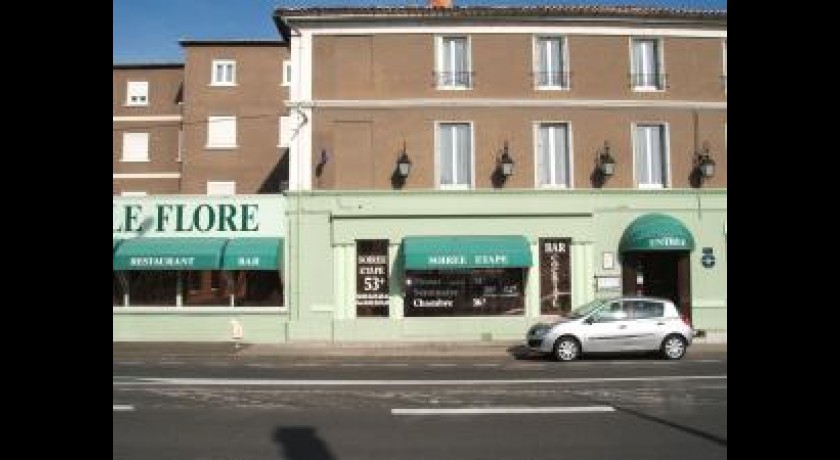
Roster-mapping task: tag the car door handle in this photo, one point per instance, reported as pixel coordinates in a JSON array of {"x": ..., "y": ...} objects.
[
  {"x": 623, "y": 326},
  {"x": 660, "y": 323}
]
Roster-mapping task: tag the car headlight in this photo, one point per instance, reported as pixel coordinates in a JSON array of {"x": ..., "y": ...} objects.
[{"x": 539, "y": 331}]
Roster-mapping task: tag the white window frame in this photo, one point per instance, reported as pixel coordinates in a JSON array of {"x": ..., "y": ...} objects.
[
  {"x": 535, "y": 59},
  {"x": 129, "y": 157},
  {"x": 660, "y": 58},
  {"x": 212, "y": 121},
  {"x": 438, "y": 166},
  {"x": 570, "y": 148},
  {"x": 286, "y": 78},
  {"x": 138, "y": 89},
  {"x": 666, "y": 145},
  {"x": 133, "y": 193},
  {"x": 439, "y": 64},
  {"x": 215, "y": 184},
  {"x": 219, "y": 63}
]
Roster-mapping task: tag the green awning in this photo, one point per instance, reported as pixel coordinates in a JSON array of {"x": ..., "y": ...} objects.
[
  {"x": 656, "y": 232},
  {"x": 169, "y": 254},
  {"x": 117, "y": 243},
  {"x": 253, "y": 254},
  {"x": 458, "y": 252}
]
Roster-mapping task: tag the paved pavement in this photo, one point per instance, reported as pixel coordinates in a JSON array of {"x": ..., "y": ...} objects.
[{"x": 127, "y": 350}]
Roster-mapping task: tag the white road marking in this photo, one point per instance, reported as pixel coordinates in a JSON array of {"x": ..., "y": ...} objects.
[
  {"x": 394, "y": 365},
  {"x": 161, "y": 381},
  {"x": 123, "y": 407},
  {"x": 128, "y": 363},
  {"x": 503, "y": 410},
  {"x": 172, "y": 363},
  {"x": 306, "y": 365},
  {"x": 486, "y": 365}
]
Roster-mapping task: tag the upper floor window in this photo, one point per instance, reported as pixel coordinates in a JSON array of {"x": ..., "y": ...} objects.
[
  {"x": 647, "y": 68},
  {"x": 287, "y": 73},
  {"x": 455, "y": 156},
  {"x": 135, "y": 147},
  {"x": 221, "y": 187},
  {"x": 221, "y": 132},
  {"x": 553, "y": 164},
  {"x": 551, "y": 63},
  {"x": 137, "y": 93},
  {"x": 224, "y": 72},
  {"x": 651, "y": 156},
  {"x": 453, "y": 63},
  {"x": 723, "y": 77}
]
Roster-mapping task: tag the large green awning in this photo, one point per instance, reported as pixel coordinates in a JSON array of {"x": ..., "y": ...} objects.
[
  {"x": 169, "y": 254},
  {"x": 656, "y": 232},
  {"x": 458, "y": 252},
  {"x": 253, "y": 254},
  {"x": 117, "y": 243}
]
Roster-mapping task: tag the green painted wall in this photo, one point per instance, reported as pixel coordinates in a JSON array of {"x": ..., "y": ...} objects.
[
  {"x": 198, "y": 327},
  {"x": 327, "y": 225}
]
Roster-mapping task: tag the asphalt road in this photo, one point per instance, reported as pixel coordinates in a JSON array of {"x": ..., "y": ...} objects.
[{"x": 420, "y": 408}]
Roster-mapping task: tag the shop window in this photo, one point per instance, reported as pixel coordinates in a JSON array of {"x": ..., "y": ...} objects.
[
  {"x": 152, "y": 287},
  {"x": 206, "y": 288},
  {"x": 258, "y": 289},
  {"x": 478, "y": 292}
]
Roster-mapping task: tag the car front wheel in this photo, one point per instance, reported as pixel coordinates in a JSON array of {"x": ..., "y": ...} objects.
[
  {"x": 673, "y": 347},
  {"x": 566, "y": 349}
]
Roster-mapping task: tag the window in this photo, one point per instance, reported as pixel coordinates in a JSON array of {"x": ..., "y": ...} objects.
[
  {"x": 133, "y": 193},
  {"x": 553, "y": 164},
  {"x": 723, "y": 77},
  {"x": 453, "y": 63},
  {"x": 614, "y": 311},
  {"x": 137, "y": 93},
  {"x": 221, "y": 132},
  {"x": 221, "y": 188},
  {"x": 285, "y": 132},
  {"x": 135, "y": 147},
  {"x": 644, "y": 309},
  {"x": 651, "y": 156},
  {"x": 223, "y": 72},
  {"x": 287, "y": 73},
  {"x": 550, "y": 60},
  {"x": 646, "y": 73},
  {"x": 454, "y": 146}
]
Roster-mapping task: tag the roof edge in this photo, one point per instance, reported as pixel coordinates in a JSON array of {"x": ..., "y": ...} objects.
[
  {"x": 232, "y": 42},
  {"x": 148, "y": 65}
]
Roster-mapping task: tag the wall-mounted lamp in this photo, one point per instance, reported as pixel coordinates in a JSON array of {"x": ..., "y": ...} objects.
[
  {"x": 505, "y": 162},
  {"x": 704, "y": 163},
  {"x": 403, "y": 164},
  {"x": 605, "y": 161},
  {"x": 322, "y": 162}
]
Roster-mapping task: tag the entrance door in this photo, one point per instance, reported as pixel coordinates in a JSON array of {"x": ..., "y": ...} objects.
[{"x": 664, "y": 274}]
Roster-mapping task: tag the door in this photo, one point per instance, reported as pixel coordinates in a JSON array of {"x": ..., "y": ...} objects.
[
  {"x": 609, "y": 329},
  {"x": 648, "y": 327}
]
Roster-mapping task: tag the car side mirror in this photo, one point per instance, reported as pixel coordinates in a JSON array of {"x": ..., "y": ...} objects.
[{"x": 589, "y": 320}]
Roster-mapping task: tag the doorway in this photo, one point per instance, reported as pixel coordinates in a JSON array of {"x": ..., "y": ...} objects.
[{"x": 664, "y": 274}]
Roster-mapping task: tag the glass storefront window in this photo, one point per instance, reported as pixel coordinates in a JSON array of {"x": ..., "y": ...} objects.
[
  {"x": 199, "y": 288},
  {"x": 474, "y": 292}
]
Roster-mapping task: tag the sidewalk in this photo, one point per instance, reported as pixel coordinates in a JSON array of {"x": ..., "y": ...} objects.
[{"x": 135, "y": 350}]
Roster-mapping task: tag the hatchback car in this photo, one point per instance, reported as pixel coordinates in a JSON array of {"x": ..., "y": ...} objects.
[{"x": 624, "y": 324}]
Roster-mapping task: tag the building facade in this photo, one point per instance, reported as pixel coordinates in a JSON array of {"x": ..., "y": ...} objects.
[{"x": 460, "y": 173}]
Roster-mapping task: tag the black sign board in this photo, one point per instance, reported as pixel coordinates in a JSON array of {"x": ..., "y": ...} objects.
[
  {"x": 555, "y": 276},
  {"x": 371, "y": 277}
]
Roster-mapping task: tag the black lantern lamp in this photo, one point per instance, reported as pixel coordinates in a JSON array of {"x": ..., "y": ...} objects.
[
  {"x": 403, "y": 164},
  {"x": 506, "y": 162},
  {"x": 704, "y": 163},
  {"x": 606, "y": 162}
]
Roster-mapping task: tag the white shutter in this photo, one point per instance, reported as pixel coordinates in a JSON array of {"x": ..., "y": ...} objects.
[
  {"x": 285, "y": 132},
  {"x": 221, "y": 132},
  {"x": 135, "y": 146},
  {"x": 221, "y": 188}
]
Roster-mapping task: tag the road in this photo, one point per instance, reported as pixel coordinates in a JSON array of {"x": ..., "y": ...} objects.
[{"x": 420, "y": 408}]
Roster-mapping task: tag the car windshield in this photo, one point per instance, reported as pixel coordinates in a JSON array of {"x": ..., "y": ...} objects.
[{"x": 586, "y": 309}]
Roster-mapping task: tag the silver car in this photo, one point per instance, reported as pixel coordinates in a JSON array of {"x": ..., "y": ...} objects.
[{"x": 614, "y": 325}]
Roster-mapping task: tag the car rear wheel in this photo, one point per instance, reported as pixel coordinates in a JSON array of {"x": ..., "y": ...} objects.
[
  {"x": 673, "y": 347},
  {"x": 566, "y": 349}
]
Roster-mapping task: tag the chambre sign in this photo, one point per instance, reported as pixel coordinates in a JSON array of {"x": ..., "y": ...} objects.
[{"x": 198, "y": 216}]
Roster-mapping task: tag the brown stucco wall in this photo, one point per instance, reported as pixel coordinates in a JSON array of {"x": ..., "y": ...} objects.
[
  {"x": 362, "y": 146},
  {"x": 386, "y": 66},
  {"x": 164, "y": 87},
  {"x": 257, "y": 101}
]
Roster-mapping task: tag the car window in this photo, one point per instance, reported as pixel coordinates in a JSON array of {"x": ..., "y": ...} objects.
[
  {"x": 647, "y": 309},
  {"x": 613, "y": 311}
]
